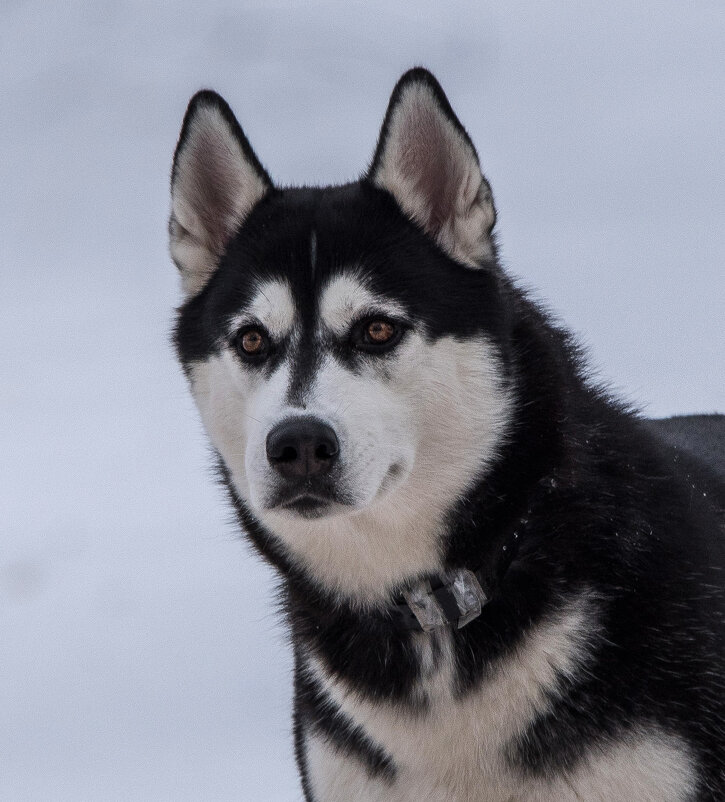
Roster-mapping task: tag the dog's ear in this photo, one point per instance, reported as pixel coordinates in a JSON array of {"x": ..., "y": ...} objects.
[
  {"x": 215, "y": 182},
  {"x": 427, "y": 161}
]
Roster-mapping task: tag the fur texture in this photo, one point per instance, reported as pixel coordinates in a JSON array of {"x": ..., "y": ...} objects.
[{"x": 387, "y": 405}]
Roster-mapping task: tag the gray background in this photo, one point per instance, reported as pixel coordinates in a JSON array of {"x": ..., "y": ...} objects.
[{"x": 140, "y": 656}]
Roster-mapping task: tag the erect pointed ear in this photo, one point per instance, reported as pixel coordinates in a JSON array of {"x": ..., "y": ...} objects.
[
  {"x": 215, "y": 182},
  {"x": 427, "y": 161}
]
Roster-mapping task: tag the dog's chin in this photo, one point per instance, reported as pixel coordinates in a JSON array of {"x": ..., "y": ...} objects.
[{"x": 310, "y": 507}]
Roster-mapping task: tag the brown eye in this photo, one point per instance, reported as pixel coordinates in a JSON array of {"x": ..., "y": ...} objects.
[
  {"x": 377, "y": 335},
  {"x": 379, "y": 332},
  {"x": 252, "y": 342}
]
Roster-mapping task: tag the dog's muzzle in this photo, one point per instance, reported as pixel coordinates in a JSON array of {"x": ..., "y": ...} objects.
[{"x": 303, "y": 452}]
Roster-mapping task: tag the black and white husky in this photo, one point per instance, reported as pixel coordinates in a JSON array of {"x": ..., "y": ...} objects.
[{"x": 500, "y": 584}]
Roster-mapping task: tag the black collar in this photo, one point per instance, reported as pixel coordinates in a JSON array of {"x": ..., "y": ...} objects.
[{"x": 458, "y": 596}]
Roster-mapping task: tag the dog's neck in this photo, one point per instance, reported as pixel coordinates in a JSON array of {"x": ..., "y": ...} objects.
[{"x": 456, "y": 597}]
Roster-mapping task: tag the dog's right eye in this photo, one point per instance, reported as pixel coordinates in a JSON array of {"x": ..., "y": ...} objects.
[
  {"x": 377, "y": 335},
  {"x": 252, "y": 343}
]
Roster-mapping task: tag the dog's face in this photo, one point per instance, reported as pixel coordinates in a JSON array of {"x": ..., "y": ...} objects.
[{"x": 344, "y": 344}]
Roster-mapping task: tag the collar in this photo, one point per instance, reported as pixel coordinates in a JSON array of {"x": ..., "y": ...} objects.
[{"x": 456, "y": 597}]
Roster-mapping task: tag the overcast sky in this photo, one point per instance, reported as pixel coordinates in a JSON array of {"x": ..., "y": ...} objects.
[{"x": 140, "y": 657}]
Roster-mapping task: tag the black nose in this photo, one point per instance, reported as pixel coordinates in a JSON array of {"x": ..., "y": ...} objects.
[{"x": 302, "y": 447}]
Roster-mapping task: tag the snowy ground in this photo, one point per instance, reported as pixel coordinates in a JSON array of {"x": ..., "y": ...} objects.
[{"x": 140, "y": 658}]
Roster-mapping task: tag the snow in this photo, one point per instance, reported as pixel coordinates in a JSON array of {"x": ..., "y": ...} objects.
[{"x": 140, "y": 654}]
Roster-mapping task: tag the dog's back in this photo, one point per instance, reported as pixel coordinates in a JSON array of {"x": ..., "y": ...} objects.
[{"x": 701, "y": 435}]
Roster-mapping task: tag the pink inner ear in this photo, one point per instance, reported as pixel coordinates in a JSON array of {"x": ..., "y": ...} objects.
[
  {"x": 210, "y": 185},
  {"x": 428, "y": 159},
  {"x": 428, "y": 164}
]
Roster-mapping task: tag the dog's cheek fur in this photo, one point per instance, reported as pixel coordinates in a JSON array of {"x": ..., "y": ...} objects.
[
  {"x": 225, "y": 395},
  {"x": 462, "y": 409}
]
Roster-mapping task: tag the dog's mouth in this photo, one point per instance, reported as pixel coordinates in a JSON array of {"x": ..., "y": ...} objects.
[
  {"x": 324, "y": 498},
  {"x": 307, "y": 505},
  {"x": 309, "y": 500}
]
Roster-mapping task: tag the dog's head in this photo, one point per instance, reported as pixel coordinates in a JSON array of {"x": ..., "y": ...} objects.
[{"x": 345, "y": 345}]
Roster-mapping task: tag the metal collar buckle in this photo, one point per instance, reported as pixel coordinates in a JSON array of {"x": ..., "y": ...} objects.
[{"x": 457, "y": 602}]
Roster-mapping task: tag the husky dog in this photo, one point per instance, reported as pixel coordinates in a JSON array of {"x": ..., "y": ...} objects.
[{"x": 500, "y": 583}]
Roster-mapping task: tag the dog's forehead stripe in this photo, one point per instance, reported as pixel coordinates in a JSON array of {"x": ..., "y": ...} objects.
[
  {"x": 346, "y": 297},
  {"x": 273, "y": 306}
]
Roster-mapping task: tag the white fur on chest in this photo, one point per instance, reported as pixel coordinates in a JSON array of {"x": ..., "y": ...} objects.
[{"x": 454, "y": 752}]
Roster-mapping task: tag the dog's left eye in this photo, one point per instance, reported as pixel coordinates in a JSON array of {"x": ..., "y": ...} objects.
[
  {"x": 376, "y": 334},
  {"x": 252, "y": 343}
]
